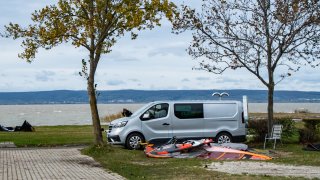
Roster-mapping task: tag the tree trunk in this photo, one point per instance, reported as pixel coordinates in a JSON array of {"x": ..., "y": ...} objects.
[
  {"x": 94, "y": 114},
  {"x": 270, "y": 107},
  {"x": 93, "y": 102}
]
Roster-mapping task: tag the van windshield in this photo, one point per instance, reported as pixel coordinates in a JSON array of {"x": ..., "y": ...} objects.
[{"x": 141, "y": 110}]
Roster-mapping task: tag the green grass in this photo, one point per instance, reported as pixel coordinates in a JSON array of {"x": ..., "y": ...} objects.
[
  {"x": 135, "y": 165},
  {"x": 50, "y": 136},
  {"x": 294, "y": 155},
  {"x": 291, "y": 154}
]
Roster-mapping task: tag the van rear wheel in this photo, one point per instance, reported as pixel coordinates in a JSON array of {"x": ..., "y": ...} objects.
[
  {"x": 224, "y": 138},
  {"x": 133, "y": 141}
]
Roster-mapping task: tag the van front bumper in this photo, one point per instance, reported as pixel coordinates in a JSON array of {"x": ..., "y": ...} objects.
[
  {"x": 114, "y": 139},
  {"x": 115, "y": 136}
]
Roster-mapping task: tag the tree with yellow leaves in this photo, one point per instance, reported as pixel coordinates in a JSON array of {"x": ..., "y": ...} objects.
[{"x": 94, "y": 25}]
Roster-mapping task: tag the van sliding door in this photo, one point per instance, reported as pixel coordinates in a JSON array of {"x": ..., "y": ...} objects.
[{"x": 187, "y": 121}]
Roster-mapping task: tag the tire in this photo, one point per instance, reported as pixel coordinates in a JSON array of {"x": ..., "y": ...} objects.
[
  {"x": 223, "y": 138},
  {"x": 133, "y": 141}
]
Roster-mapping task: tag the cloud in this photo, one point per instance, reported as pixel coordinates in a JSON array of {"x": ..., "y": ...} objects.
[
  {"x": 45, "y": 76},
  {"x": 306, "y": 78},
  {"x": 117, "y": 56},
  {"x": 165, "y": 51},
  {"x": 228, "y": 80},
  {"x": 137, "y": 64},
  {"x": 126, "y": 59},
  {"x": 134, "y": 80},
  {"x": 76, "y": 73},
  {"x": 203, "y": 78},
  {"x": 4, "y": 87},
  {"x": 115, "y": 82}
]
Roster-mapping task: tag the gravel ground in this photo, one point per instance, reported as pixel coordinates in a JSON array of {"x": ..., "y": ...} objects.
[{"x": 265, "y": 168}]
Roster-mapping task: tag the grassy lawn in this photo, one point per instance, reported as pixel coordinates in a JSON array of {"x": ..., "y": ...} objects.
[
  {"x": 135, "y": 165},
  {"x": 294, "y": 155},
  {"x": 50, "y": 136}
]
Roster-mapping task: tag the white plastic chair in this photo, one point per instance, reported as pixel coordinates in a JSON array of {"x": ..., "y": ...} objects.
[{"x": 275, "y": 134}]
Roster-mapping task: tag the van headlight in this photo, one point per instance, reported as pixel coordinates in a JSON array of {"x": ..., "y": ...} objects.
[{"x": 120, "y": 124}]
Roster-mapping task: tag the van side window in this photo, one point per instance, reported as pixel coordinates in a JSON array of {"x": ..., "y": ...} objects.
[
  {"x": 188, "y": 111},
  {"x": 155, "y": 112}
]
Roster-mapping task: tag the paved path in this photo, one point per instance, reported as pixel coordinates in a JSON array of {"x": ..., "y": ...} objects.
[{"x": 54, "y": 163}]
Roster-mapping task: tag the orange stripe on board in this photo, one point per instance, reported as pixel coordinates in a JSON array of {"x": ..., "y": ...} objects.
[{"x": 221, "y": 155}]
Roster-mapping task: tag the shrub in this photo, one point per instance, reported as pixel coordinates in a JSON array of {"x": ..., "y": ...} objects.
[
  {"x": 112, "y": 117},
  {"x": 311, "y": 131},
  {"x": 288, "y": 128},
  {"x": 259, "y": 128}
]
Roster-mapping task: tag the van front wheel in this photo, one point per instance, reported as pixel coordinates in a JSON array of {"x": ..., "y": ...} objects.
[
  {"x": 133, "y": 141},
  {"x": 224, "y": 138}
]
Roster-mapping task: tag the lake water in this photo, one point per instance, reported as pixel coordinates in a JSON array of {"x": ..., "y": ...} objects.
[{"x": 79, "y": 114}]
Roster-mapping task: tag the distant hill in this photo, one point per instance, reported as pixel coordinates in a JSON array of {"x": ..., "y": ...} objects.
[{"x": 141, "y": 96}]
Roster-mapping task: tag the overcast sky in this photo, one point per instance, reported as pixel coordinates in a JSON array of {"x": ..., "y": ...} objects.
[{"x": 156, "y": 60}]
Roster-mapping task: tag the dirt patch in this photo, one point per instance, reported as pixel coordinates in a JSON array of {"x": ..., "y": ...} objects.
[
  {"x": 265, "y": 168},
  {"x": 89, "y": 163},
  {"x": 280, "y": 154},
  {"x": 81, "y": 161}
]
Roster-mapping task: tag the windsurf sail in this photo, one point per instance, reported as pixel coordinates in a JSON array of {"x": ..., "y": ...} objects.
[
  {"x": 222, "y": 153},
  {"x": 203, "y": 148}
]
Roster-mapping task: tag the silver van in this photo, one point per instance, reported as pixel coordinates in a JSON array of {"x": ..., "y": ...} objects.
[{"x": 156, "y": 122}]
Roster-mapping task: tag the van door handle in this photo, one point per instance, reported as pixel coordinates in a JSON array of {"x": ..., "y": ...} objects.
[{"x": 165, "y": 124}]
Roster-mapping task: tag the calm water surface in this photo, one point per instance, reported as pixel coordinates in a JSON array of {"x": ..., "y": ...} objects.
[{"x": 79, "y": 114}]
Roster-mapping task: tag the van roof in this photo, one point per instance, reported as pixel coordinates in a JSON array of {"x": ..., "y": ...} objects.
[{"x": 198, "y": 101}]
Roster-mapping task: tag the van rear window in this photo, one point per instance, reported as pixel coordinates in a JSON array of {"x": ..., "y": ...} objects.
[{"x": 188, "y": 111}]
